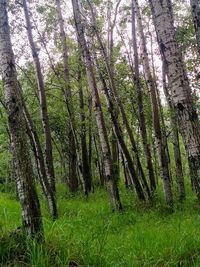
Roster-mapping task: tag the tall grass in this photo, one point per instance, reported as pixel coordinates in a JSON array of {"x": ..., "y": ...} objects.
[{"x": 88, "y": 234}]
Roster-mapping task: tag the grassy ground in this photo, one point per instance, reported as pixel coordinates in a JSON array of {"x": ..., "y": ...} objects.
[{"x": 88, "y": 234}]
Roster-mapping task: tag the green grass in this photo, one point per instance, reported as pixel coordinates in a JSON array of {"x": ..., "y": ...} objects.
[{"x": 90, "y": 235}]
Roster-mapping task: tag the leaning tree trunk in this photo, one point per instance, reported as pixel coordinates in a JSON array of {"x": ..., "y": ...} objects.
[
  {"x": 73, "y": 179},
  {"x": 195, "y": 7},
  {"x": 110, "y": 46},
  {"x": 85, "y": 158},
  {"x": 43, "y": 101},
  {"x": 160, "y": 108},
  {"x": 31, "y": 214},
  {"x": 175, "y": 140},
  {"x": 99, "y": 161},
  {"x": 142, "y": 121},
  {"x": 179, "y": 85},
  {"x": 89, "y": 104},
  {"x": 46, "y": 187},
  {"x": 118, "y": 101},
  {"x": 112, "y": 183},
  {"x": 162, "y": 158},
  {"x": 119, "y": 134}
]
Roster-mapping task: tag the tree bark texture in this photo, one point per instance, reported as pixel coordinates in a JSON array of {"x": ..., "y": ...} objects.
[
  {"x": 179, "y": 85},
  {"x": 142, "y": 121},
  {"x": 31, "y": 215},
  {"x": 42, "y": 98},
  {"x": 175, "y": 140},
  {"x": 162, "y": 158},
  {"x": 85, "y": 158},
  {"x": 119, "y": 105},
  {"x": 112, "y": 184},
  {"x": 46, "y": 187},
  {"x": 73, "y": 179}
]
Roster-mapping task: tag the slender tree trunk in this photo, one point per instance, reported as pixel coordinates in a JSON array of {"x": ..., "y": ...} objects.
[
  {"x": 31, "y": 214},
  {"x": 112, "y": 183},
  {"x": 85, "y": 161},
  {"x": 163, "y": 126},
  {"x": 117, "y": 129},
  {"x": 61, "y": 153},
  {"x": 110, "y": 44},
  {"x": 73, "y": 153},
  {"x": 175, "y": 140},
  {"x": 127, "y": 181},
  {"x": 179, "y": 85},
  {"x": 42, "y": 98},
  {"x": 115, "y": 156},
  {"x": 73, "y": 180},
  {"x": 160, "y": 148},
  {"x": 119, "y": 103},
  {"x": 160, "y": 108},
  {"x": 90, "y": 134},
  {"x": 46, "y": 187},
  {"x": 99, "y": 163},
  {"x": 195, "y": 8},
  {"x": 142, "y": 121}
]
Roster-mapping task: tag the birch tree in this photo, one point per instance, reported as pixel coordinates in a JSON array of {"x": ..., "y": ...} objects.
[
  {"x": 108, "y": 165},
  {"x": 73, "y": 179},
  {"x": 119, "y": 105},
  {"x": 40, "y": 162},
  {"x": 142, "y": 121},
  {"x": 175, "y": 140},
  {"x": 42, "y": 99},
  {"x": 31, "y": 214},
  {"x": 160, "y": 148},
  {"x": 86, "y": 170},
  {"x": 179, "y": 85}
]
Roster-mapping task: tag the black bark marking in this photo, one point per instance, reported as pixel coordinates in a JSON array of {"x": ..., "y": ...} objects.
[
  {"x": 193, "y": 116},
  {"x": 180, "y": 106},
  {"x": 13, "y": 99},
  {"x": 162, "y": 47}
]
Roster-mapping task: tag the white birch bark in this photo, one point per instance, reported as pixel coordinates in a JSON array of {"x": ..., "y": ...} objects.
[
  {"x": 178, "y": 84},
  {"x": 159, "y": 140},
  {"x": 73, "y": 179},
  {"x": 31, "y": 215},
  {"x": 112, "y": 185},
  {"x": 42, "y": 98}
]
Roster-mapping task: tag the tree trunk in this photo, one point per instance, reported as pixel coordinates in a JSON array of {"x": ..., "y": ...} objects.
[
  {"x": 115, "y": 156},
  {"x": 119, "y": 103},
  {"x": 31, "y": 215},
  {"x": 90, "y": 134},
  {"x": 46, "y": 187},
  {"x": 175, "y": 140},
  {"x": 160, "y": 108},
  {"x": 99, "y": 162},
  {"x": 85, "y": 160},
  {"x": 179, "y": 85},
  {"x": 73, "y": 180},
  {"x": 42, "y": 98},
  {"x": 118, "y": 132},
  {"x": 162, "y": 158},
  {"x": 195, "y": 8},
  {"x": 110, "y": 44},
  {"x": 112, "y": 183},
  {"x": 142, "y": 121}
]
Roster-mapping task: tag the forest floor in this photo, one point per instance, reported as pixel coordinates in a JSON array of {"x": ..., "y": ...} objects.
[{"x": 87, "y": 233}]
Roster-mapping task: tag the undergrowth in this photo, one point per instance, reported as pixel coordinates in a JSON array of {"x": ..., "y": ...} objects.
[{"x": 87, "y": 233}]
